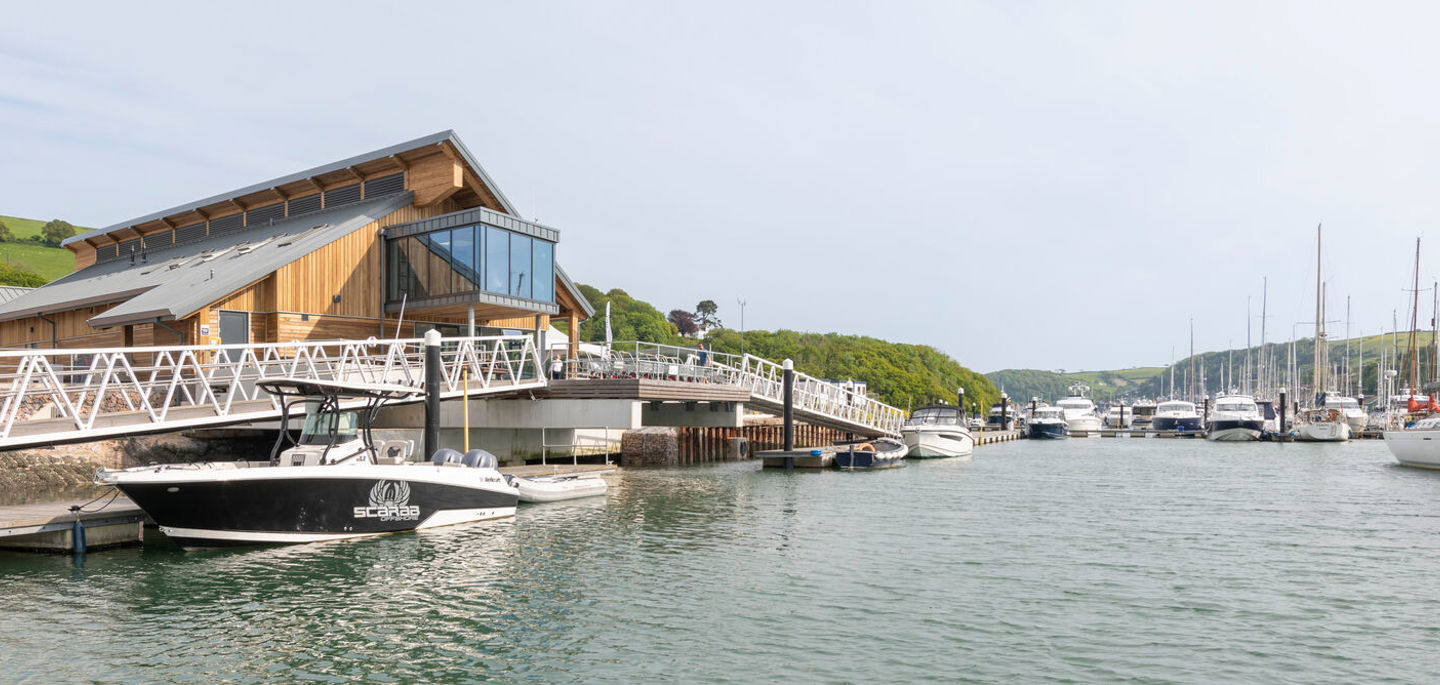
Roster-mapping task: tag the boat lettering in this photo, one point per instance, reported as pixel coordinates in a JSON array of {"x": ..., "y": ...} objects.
[
  {"x": 390, "y": 513},
  {"x": 389, "y": 501}
]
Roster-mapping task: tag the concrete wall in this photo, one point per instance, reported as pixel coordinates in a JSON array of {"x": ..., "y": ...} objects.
[{"x": 709, "y": 414}]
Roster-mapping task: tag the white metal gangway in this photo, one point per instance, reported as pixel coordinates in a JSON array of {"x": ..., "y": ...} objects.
[
  {"x": 815, "y": 400},
  {"x": 72, "y": 395}
]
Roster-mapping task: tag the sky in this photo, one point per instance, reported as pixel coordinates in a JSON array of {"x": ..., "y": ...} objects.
[{"x": 1018, "y": 184}]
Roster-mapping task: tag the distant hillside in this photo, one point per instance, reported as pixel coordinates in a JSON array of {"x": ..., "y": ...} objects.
[
  {"x": 49, "y": 263},
  {"x": 1023, "y": 384},
  {"x": 898, "y": 374}
]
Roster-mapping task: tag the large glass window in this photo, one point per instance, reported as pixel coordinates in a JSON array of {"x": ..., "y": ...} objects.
[
  {"x": 497, "y": 260},
  {"x": 521, "y": 276},
  {"x": 544, "y": 271},
  {"x": 462, "y": 247},
  {"x": 440, "y": 272}
]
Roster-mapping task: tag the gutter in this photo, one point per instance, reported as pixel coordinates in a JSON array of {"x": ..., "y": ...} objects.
[{"x": 54, "y": 340}]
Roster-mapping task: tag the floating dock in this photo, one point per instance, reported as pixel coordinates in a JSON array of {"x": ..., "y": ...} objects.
[{"x": 52, "y": 526}]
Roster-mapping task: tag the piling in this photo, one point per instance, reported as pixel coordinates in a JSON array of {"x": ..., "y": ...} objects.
[
  {"x": 1282, "y": 412},
  {"x": 789, "y": 416},
  {"x": 432, "y": 392}
]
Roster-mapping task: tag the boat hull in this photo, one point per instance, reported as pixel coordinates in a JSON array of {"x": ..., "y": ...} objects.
[
  {"x": 201, "y": 508},
  {"x": 1185, "y": 424},
  {"x": 537, "y": 490},
  {"x": 1235, "y": 431},
  {"x": 940, "y": 443},
  {"x": 1324, "y": 431},
  {"x": 1048, "y": 431},
  {"x": 888, "y": 454},
  {"x": 1420, "y": 449},
  {"x": 1084, "y": 426}
]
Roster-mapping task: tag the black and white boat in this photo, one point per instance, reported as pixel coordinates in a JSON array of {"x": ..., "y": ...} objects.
[
  {"x": 1236, "y": 418},
  {"x": 879, "y": 454},
  {"x": 334, "y": 483},
  {"x": 937, "y": 431},
  {"x": 1047, "y": 423},
  {"x": 1177, "y": 415}
]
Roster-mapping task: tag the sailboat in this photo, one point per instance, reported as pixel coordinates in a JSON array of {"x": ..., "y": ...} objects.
[
  {"x": 1418, "y": 445},
  {"x": 1323, "y": 423}
]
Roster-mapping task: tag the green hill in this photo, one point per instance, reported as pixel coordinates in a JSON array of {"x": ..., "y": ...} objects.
[
  {"x": 1023, "y": 384},
  {"x": 26, "y": 254}
]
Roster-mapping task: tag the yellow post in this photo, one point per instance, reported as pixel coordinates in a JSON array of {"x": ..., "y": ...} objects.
[{"x": 465, "y": 402}]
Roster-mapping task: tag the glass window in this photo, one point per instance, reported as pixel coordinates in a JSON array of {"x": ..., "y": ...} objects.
[
  {"x": 462, "y": 247},
  {"x": 521, "y": 278},
  {"x": 497, "y": 260},
  {"x": 544, "y": 271},
  {"x": 440, "y": 263}
]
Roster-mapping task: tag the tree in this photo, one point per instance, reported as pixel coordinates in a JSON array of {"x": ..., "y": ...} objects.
[
  {"x": 684, "y": 322},
  {"x": 56, "y": 231},
  {"x": 21, "y": 276},
  {"x": 705, "y": 314},
  {"x": 630, "y": 319},
  {"x": 5, "y": 235}
]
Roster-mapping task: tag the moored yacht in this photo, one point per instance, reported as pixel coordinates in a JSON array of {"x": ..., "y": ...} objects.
[
  {"x": 1001, "y": 417},
  {"x": 335, "y": 483},
  {"x": 1176, "y": 415},
  {"x": 1119, "y": 416},
  {"x": 1144, "y": 414},
  {"x": 1350, "y": 408},
  {"x": 1047, "y": 423},
  {"x": 1418, "y": 445},
  {"x": 937, "y": 430},
  {"x": 1080, "y": 413},
  {"x": 1322, "y": 425},
  {"x": 1235, "y": 418}
]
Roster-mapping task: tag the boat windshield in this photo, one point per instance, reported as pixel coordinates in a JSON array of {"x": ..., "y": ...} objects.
[
  {"x": 318, "y": 425},
  {"x": 1188, "y": 407},
  {"x": 1342, "y": 402},
  {"x": 1235, "y": 406},
  {"x": 934, "y": 415}
]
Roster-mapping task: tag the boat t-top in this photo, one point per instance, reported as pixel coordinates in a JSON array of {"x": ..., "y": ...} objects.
[
  {"x": 335, "y": 482},
  {"x": 1235, "y": 418},
  {"x": 1080, "y": 413},
  {"x": 937, "y": 430}
]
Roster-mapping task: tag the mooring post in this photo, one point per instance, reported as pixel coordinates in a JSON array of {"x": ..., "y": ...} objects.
[
  {"x": 960, "y": 401},
  {"x": 432, "y": 392},
  {"x": 1004, "y": 412},
  {"x": 789, "y": 416}
]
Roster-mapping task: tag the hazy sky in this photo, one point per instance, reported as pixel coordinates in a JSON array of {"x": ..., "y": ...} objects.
[{"x": 1045, "y": 185}]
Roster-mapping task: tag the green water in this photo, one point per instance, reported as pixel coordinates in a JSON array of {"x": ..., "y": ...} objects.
[{"x": 1079, "y": 561}]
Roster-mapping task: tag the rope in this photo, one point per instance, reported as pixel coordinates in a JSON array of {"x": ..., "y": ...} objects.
[{"x": 113, "y": 495}]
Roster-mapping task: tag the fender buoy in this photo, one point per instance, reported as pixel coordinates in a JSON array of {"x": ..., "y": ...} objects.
[{"x": 865, "y": 446}]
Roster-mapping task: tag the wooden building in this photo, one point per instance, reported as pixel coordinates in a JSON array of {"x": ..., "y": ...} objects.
[{"x": 394, "y": 241}]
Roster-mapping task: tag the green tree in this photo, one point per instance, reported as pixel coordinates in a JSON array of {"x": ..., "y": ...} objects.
[
  {"x": 705, "y": 314},
  {"x": 5, "y": 235},
  {"x": 630, "y": 319},
  {"x": 56, "y": 231},
  {"x": 21, "y": 276}
]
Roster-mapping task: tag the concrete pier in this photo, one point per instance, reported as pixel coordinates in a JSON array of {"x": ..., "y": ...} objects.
[{"x": 49, "y": 527}]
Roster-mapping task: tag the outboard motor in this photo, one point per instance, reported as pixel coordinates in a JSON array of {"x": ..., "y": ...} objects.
[
  {"x": 478, "y": 458},
  {"x": 445, "y": 455}
]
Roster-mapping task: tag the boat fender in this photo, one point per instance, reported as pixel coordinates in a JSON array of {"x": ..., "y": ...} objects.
[{"x": 865, "y": 447}]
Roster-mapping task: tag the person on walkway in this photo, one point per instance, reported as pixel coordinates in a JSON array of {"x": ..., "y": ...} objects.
[
  {"x": 704, "y": 356},
  {"x": 557, "y": 367}
]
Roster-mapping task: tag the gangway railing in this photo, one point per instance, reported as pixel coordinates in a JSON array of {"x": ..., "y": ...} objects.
[
  {"x": 763, "y": 379},
  {"x": 62, "y": 395}
]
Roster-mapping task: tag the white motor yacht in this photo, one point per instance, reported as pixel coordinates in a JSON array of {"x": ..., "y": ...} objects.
[
  {"x": 1080, "y": 413},
  {"x": 1047, "y": 423},
  {"x": 1235, "y": 418},
  {"x": 937, "y": 431},
  {"x": 1143, "y": 414},
  {"x": 1177, "y": 415},
  {"x": 1119, "y": 416}
]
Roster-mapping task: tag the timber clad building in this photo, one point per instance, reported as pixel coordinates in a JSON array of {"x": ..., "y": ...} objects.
[{"x": 337, "y": 251}]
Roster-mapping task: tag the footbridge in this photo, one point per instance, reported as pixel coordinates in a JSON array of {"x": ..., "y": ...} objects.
[
  {"x": 646, "y": 371},
  {"x": 77, "y": 395}
]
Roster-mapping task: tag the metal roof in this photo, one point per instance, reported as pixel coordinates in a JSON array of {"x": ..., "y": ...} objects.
[
  {"x": 10, "y": 292},
  {"x": 177, "y": 281},
  {"x": 433, "y": 139}
]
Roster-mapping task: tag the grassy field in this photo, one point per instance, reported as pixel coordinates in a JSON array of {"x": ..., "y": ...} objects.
[{"x": 50, "y": 262}]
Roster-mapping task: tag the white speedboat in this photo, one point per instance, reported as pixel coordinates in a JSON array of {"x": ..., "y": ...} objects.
[
  {"x": 1080, "y": 413},
  {"x": 1047, "y": 423},
  {"x": 1177, "y": 415},
  {"x": 1235, "y": 418},
  {"x": 335, "y": 483},
  {"x": 1418, "y": 445},
  {"x": 1350, "y": 407},
  {"x": 937, "y": 431}
]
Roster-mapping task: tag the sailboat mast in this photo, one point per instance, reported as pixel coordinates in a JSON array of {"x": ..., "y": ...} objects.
[
  {"x": 1414, "y": 349},
  {"x": 1190, "y": 378},
  {"x": 1347, "y": 346},
  {"x": 1264, "y": 306},
  {"x": 1319, "y": 370},
  {"x": 1246, "y": 382}
]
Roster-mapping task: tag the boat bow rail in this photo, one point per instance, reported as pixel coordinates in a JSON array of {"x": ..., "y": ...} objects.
[
  {"x": 71, "y": 395},
  {"x": 816, "y": 401}
]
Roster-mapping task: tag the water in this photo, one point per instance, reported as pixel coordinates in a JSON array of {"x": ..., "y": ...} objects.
[{"x": 1079, "y": 560}]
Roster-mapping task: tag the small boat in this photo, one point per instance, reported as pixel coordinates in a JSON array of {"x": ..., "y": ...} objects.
[
  {"x": 1080, "y": 413},
  {"x": 1350, "y": 407},
  {"x": 937, "y": 431},
  {"x": 557, "y": 488},
  {"x": 1144, "y": 413},
  {"x": 1236, "y": 418},
  {"x": 1177, "y": 415},
  {"x": 1001, "y": 417},
  {"x": 335, "y": 483},
  {"x": 884, "y": 453},
  {"x": 1322, "y": 425},
  {"x": 1119, "y": 416},
  {"x": 1048, "y": 423}
]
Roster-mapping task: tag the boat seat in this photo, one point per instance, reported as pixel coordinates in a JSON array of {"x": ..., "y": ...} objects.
[{"x": 393, "y": 451}]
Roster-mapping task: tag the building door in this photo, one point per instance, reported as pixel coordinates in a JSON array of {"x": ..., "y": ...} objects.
[{"x": 234, "y": 328}]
